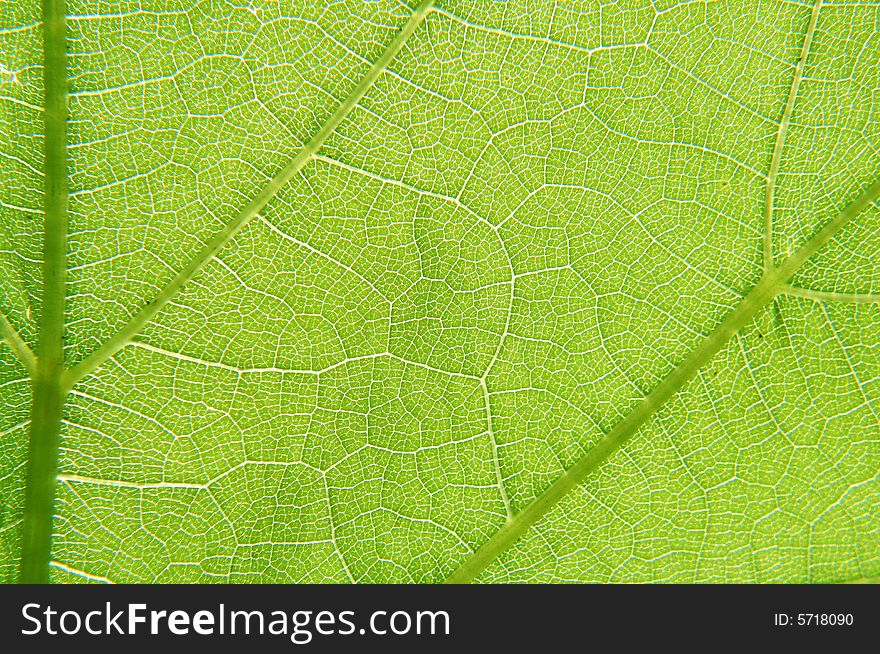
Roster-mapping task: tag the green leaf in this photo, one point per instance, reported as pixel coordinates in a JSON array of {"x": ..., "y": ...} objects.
[{"x": 503, "y": 291}]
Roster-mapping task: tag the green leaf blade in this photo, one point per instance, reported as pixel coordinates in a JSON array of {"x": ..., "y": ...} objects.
[{"x": 529, "y": 219}]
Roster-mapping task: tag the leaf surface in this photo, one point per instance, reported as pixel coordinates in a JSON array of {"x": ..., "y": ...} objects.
[{"x": 532, "y": 216}]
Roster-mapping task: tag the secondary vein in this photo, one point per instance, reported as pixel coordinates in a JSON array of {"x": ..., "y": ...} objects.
[
  {"x": 48, "y": 396},
  {"x": 221, "y": 238},
  {"x": 770, "y": 285},
  {"x": 19, "y": 348},
  {"x": 776, "y": 157}
]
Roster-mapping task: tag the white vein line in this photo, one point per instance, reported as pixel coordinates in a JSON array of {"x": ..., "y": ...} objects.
[
  {"x": 400, "y": 184},
  {"x": 20, "y": 425},
  {"x": 119, "y": 483},
  {"x": 80, "y": 573},
  {"x": 297, "y": 371},
  {"x": 520, "y": 36},
  {"x": 126, "y": 409},
  {"x": 327, "y": 257}
]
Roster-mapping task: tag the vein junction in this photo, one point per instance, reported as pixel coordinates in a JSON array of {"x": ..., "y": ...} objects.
[{"x": 771, "y": 284}]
